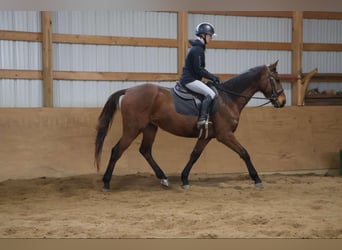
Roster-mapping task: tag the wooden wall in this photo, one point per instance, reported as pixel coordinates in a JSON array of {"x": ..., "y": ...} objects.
[{"x": 55, "y": 142}]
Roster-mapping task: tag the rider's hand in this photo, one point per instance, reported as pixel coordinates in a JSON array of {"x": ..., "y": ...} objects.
[{"x": 216, "y": 80}]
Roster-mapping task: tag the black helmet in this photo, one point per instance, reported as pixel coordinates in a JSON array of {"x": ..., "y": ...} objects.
[{"x": 205, "y": 28}]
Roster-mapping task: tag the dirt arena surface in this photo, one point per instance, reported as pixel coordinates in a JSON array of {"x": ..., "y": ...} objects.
[{"x": 216, "y": 206}]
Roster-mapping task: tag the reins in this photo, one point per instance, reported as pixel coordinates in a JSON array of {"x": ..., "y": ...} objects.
[
  {"x": 241, "y": 95},
  {"x": 273, "y": 97},
  {"x": 246, "y": 96}
]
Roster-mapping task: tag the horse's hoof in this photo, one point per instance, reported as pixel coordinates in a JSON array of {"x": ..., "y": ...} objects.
[
  {"x": 164, "y": 182},
  {"x": 259, "y": 185},
  {"x": 187, "y": 186},
  {"x": 105, "y": 187}
]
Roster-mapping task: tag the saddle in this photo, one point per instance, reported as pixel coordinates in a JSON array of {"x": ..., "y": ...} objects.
[{"x": 188, "y": 102}]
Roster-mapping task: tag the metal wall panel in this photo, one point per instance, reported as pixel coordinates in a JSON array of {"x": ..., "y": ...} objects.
[
  {"x": 91, "y": 93},
  {"x": 237, "y": 61},
  {"x": 110, "y": 58},
  {"x": 325, "y": 62},
  {"x": 116, "y": 23},
  {"x": 323, "y": 31},
  {"x": 20, "y": 55},
  {"x": 29, "y": 21},
  {"x": 21, "y": 93},
  {"x": 114, "y": 58},
  {"x": 240, "y": 28},
  {"x": 23, "y": 56}
]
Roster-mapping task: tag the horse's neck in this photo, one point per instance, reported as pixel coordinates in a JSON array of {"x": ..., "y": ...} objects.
[
  {"x": 243, "y": 87},
  {"x": 245, "y": 97}
]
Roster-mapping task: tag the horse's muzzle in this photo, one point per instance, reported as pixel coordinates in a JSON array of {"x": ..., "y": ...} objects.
[{"x": 280, "y": 101}]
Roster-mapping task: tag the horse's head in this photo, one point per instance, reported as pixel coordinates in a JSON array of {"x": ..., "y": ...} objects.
[{"x": 272, "y": 88}]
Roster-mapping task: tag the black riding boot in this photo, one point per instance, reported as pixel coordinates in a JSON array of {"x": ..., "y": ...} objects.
[{"x": 204, "y": 111}]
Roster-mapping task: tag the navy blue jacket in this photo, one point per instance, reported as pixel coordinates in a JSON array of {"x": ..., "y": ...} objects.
[{"x": 194, "y": 68}]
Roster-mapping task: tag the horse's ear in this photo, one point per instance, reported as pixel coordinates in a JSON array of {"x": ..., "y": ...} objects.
[{"x": 273, "y": 66}]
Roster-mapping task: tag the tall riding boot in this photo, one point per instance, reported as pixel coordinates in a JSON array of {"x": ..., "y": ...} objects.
[{"x": 204, "y": 111}]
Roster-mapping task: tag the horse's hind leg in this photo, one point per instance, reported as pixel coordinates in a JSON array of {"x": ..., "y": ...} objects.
[
  {"x": 145, "y": 149},
  {"x": 116, "y": 153}
]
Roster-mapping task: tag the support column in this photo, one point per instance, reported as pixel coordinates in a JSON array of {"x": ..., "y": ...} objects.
[
  {"x": 182, "y": 39},
  {"x": 47, "y": 55},
  {"x": 297, "y": 51}
]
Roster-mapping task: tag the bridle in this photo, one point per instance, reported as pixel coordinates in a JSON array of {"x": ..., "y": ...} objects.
[
  {"x": 275, "y": 92},
  {"x": 274, "y": 95}
]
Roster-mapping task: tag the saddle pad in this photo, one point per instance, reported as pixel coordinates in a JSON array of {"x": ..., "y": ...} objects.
[{"x": 186, "y": 106}]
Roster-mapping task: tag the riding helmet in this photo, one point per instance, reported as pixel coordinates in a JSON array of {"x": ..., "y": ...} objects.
[{"x": 205, "y": 28}]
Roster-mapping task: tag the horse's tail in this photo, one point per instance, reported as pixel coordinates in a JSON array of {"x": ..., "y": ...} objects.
[{"x": 104, "y": 123}]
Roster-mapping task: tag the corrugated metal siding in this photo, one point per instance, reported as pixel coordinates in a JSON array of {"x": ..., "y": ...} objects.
[
  {"x": 21, "y": 93},
  {"x": 114, "y": 58},
  {"x": 326, "y": 62},
  {"x": 20, "y": 55},
  {"x": 323, "y": 31},
  {"x": 90, "y": 93},
  {"x": 237, "y": 61},
  {"x": 240, "y": 28},
  {"x": 29, "y": 21},
  {"x": 116, "y": 23},
  {"x": 110, "y": 58}
]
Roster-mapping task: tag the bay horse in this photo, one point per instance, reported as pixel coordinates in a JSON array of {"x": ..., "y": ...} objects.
[{"x": 146, "y": 107}]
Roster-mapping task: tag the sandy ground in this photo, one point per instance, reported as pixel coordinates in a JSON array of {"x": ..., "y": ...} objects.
[{"x": 226, "y": 206}]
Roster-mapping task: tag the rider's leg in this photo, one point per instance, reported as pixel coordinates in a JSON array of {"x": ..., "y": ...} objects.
[
  {"x": 209, "y": 94},
  {"x": 204, "y": 113}
]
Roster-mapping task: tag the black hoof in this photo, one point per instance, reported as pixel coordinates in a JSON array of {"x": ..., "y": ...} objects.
[
  {"x": 105, "y": 187},
  {"x": 185, "y": 184},
  {"x": 259, "y": 185}
]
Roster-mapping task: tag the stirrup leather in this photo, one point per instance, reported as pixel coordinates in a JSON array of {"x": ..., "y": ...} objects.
[{"x": 203, "y": 125}]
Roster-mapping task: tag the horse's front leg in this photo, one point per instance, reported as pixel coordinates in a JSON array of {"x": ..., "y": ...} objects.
[
  {"x": 195, "y": 154},
  {"x": 230, "y": 141}
]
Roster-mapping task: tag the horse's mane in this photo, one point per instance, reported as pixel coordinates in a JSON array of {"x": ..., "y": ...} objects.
[{"x": 239, "y": 83}]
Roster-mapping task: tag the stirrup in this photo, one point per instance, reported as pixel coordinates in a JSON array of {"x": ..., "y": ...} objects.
[
  {"x": 204, "y": 130},
  {"x": 201, "y": 123}
]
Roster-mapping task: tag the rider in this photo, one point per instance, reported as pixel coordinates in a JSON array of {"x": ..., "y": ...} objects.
[{"x": 194, "y": 69}]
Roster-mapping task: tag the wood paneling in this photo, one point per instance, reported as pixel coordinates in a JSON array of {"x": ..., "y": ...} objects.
[
  {"x": 322, "y": 15},
  {"x": 57, "y": 142},
  {"x": 250, "y": 45},
  {"x": 20, "y": 36},
  {"x": 114, "y": 40},
  {"x": 21, "y": 74},
  {"x": 116, "y": 76},
  {"x": 322, "y": 47},
  {"x": 247, "y": 13}
]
